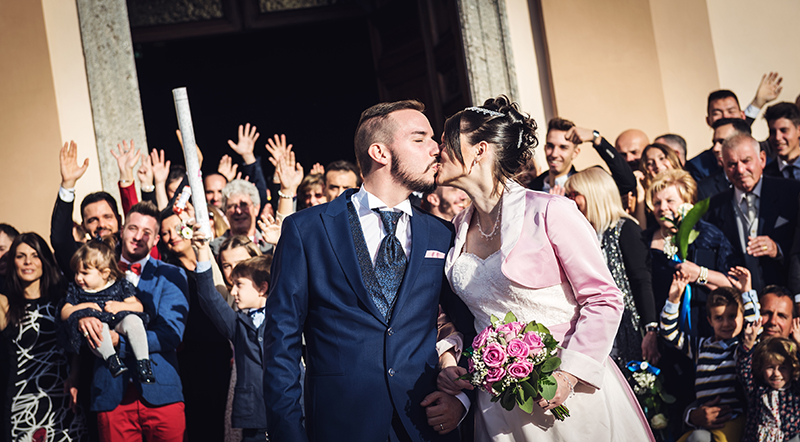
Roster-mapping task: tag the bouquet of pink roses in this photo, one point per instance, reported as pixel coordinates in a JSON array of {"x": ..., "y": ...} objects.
[{"x": 514, "y": 362}]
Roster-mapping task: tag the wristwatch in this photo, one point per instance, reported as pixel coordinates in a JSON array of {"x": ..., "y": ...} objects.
[
  {"x": 651, "y": 327},
  {"x": 595, "y": 136}
]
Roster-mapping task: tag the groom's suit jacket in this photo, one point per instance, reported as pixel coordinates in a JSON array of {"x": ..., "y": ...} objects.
[{"x": 361, "y": 369}]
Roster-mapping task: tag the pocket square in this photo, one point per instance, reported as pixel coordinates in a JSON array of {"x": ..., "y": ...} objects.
[
  {"x": 434, "y": 254},
  {"x": 780, "y": 221}
]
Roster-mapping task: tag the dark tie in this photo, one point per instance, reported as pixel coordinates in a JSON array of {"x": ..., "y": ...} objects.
[
  {"x": 390, "y": 265},
  {"x": 135, "y": 268}
]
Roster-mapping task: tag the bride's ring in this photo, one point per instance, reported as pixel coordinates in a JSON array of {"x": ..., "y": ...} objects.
[
  {"x": 441, "y": 427},
  {"x": 85, "y": 334}
]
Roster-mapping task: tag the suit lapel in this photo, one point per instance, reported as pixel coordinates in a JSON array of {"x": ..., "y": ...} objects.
[
  {"x": 337, "y": 227},
  {"x": 147, "y": 281},
  {"x": 767, "y": 208},
  {"x": 728, "y": 223},
  {"x": 420, "y": 234}
]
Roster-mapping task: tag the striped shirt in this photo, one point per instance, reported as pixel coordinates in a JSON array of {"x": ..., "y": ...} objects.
[{"x": 715, "y": 360}]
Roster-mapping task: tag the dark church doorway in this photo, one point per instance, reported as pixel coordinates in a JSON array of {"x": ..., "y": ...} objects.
[{"x": 307, "y": 72}]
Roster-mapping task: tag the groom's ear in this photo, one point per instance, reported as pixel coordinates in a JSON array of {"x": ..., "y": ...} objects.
[{"x": 380, "y": 153}]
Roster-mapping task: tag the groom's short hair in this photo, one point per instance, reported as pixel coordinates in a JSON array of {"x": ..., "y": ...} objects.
[{"x": 375, "y": 127}]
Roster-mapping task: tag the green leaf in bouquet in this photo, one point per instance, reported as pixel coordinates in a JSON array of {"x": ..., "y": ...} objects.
[
  {"x": 551, "y": 364},
  {"x": 693, "y": 235},
  {"x": 494, "y": 320},
  {"x": 525, "y": 403},
  {"x": 509, "y": 318},
  {"x": 530, "y": 327},
  {"x": 542, "y": 329},
  {"x": 549, "y": 387},
  {"x": 498, "y": 386},
  {"x": 666, "y": 397},
  {"x": 528, "y": 386},
  {"x": 687, "y": 225},
  {"x": 502, "y": 340},
  {"x": 507, "y": 400}
]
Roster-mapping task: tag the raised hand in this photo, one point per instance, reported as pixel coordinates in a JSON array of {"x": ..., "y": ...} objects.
[
  {"x": 277, "y": 147},
  {"x": 317, "y": 169},
  {"x": 679, "y": 282},
  {"x": 289, "y": 173},
  {"x": 145, "y": 172},
  {"x": 577, "y": 135},
  {"x": 160, "y": 167},
  {"x": 227, "y": 168},
  {"x": 71, "y": 172},
  {"x": 750, "y": 335},
  {"x": 270, "y": 228},
  {"x": 740, "y": 279},
  {"x": 768, "y": 90},
  {"x": 796, "y": 330},
  {"x": 557, "y": 190},
  {"x": 246, "y": 143},
  {"x": 126, "y": 157}
]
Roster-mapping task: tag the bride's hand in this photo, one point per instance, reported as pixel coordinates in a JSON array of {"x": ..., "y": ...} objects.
[
  {"x": 449, "y": 383},
  {"x": 563, "y": 391}
]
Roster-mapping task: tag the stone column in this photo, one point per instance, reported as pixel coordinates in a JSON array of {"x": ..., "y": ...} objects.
[
  {"x": 487, "y": 49},
  {"x": 113, "y": 85}
]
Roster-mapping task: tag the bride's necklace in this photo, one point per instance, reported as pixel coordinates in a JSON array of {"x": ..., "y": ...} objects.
[{"x": 493, "y": 233}]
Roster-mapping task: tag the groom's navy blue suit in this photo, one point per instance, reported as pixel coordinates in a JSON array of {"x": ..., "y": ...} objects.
[{"x": 361, "y": 369}]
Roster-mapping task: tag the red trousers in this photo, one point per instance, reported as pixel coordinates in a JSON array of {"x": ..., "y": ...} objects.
[{"x": 134, "y": 418}]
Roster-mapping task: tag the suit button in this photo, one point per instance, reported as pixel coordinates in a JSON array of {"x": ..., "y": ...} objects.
[
  {"x": 260, "y": 339},
  {"x": 391, "y": 372},
  {"x": 390, "y": 332}
]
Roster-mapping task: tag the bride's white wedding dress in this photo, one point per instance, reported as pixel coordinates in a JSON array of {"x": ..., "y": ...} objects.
[{"x": 607, "y": 413}]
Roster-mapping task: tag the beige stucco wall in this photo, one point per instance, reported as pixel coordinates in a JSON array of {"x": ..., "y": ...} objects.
[
  {"x": 45, "y": 102},
  {"x": 29, "y": 123},
  {"x": 751, "y": 38}
]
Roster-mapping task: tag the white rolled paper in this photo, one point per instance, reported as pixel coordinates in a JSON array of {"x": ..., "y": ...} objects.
[{"x": 192, "y": 163}]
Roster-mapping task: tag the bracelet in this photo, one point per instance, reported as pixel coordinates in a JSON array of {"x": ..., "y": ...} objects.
[
  {"x": 126, "y": 182},
  {"x": 651, "y": 327},
  {"x": 703, "y": 278},
  {"x": 564, "y": 377},
  {"x": 148, "y": 188},
  {"x": 285, "y": 196}
]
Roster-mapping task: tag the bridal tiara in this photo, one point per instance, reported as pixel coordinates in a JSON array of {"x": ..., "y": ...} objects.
[
  {"x": 492, "y": 113},
  {"x": 485, "y": 111}
]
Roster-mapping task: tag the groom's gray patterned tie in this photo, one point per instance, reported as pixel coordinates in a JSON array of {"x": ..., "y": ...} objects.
[{"x": 390, "y": 265}]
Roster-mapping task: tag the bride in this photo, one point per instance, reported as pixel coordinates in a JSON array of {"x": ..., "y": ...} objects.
[{"x": 535, "y": 255}]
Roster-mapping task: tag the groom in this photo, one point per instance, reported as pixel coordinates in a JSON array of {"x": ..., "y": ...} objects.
[{"x": 361, "y": 278}]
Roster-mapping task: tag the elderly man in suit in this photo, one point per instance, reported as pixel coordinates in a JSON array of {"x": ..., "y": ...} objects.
[
  {"x": 361, "y": 278},
  {"x": 758, "y": 215},
  {"x": 127, "y": 409}
]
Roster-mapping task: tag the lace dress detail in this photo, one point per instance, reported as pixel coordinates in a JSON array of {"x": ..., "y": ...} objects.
[{"x": 486, "y": 291}]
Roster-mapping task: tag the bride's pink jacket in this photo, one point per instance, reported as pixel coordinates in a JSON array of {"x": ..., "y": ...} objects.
[{"x": 547, "y": 241}]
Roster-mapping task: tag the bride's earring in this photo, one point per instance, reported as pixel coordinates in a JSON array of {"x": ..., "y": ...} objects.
[{"x": 474, "y": 162}]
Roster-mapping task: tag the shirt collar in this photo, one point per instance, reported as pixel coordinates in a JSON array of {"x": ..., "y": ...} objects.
[
  {"x": 738, "y": 194},
  {"x": 370, "y": 201},
  {"x": 783, "y": 164}
]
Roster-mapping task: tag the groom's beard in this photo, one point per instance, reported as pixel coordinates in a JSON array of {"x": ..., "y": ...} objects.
[{"x": 400, "y": 172}]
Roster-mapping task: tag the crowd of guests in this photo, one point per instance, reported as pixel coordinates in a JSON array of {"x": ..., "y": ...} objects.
[{"x": 137, "y": 324}]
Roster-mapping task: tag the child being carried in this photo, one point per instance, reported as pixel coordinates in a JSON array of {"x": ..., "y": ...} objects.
[{"x": 100, "y": 290}]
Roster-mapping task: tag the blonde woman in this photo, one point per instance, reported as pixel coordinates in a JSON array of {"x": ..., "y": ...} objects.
[
  {"x": 597, "y": 197},
  {"x": 656, "y": 158}
]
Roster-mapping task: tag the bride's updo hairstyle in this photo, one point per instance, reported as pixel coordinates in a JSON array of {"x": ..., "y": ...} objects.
[{"x": 500, "y": 123}]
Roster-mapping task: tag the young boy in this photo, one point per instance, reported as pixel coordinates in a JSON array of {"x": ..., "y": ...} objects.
[
  {"x": 245, "y": 329},
  {"x": 715, "y": 361}
]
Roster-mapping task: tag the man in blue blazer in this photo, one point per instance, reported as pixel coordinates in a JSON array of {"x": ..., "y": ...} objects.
[
  {"x": 127, "y": 409},
  {"x": 758, "y": 215},
  {"x": 361, "y": 279}
]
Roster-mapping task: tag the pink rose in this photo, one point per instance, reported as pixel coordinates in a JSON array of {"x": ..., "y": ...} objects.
[
  {"x": 520, "y": 370},
  {"x": 534, "y": 342},
  {"x": 480, "y": 340},
  {"x": 494, "y": 355},
  {"x": 517, "y": 349},
  {"x": 495, "y": 374},
  {"x": 510, "y": 330}
]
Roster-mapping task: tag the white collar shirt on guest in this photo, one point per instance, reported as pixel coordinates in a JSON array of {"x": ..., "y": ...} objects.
[
  {"x": 133, "y": 278},
  {"x": 372, "y": 226},
  {"x": 793, "y": 172}
]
